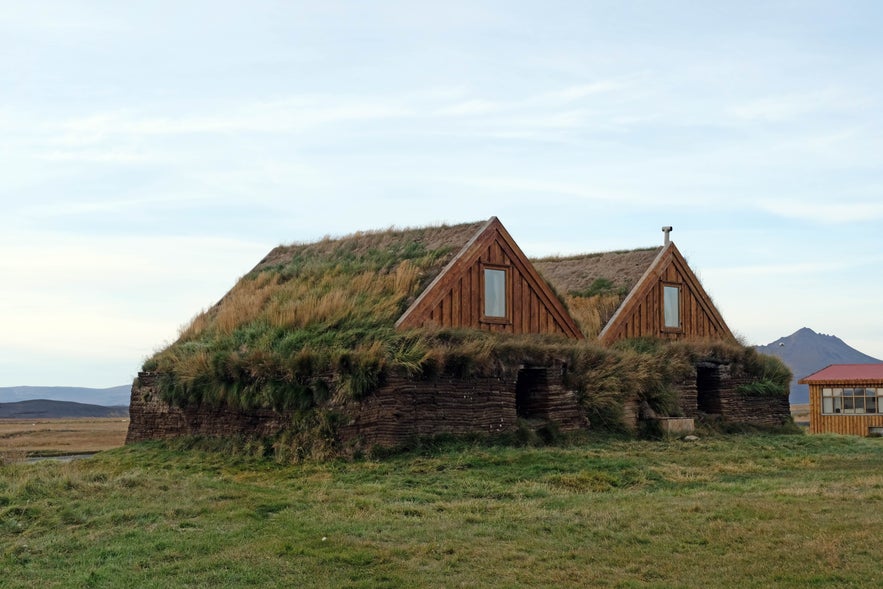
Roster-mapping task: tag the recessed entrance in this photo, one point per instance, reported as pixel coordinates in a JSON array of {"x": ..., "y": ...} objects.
[
  {"x": 530, "y": 392},
  {"x": 708, "y": 388}
]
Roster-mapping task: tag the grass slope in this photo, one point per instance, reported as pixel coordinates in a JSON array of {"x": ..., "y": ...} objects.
[{"x": 730, "y": 511}]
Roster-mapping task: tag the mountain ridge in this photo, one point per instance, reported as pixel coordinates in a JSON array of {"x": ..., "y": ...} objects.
[
  {"x": 107, "y": 397},
  {"x": 47, "y": 408},
  {"x": 806, "y": 352}
]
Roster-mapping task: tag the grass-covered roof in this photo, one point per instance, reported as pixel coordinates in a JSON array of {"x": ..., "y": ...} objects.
[
  {"x": 590, "y": 274},
  {"x": 361, "y": 282},
  {"x": 307, "y": 309},
  {"x": 347, "y": 291},
  {"x": 594, "y": 285}
]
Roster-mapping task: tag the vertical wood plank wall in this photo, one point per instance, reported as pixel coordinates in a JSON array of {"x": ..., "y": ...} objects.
[
  {"x": 646, "y": 316},
  {"x": 461, "y": 303},
  {"x": 839, "y": 423}
]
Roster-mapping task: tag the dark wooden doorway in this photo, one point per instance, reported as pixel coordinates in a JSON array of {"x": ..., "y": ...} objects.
[
  {"x": 708, "y": 388},
  {"x": 530, "y": 391}
]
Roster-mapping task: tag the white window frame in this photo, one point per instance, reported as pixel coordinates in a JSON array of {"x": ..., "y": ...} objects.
[
  {"x": 669, "y": 323},
  {"x": 844, "y": 401},
  {"x": 505, "y": 293}
]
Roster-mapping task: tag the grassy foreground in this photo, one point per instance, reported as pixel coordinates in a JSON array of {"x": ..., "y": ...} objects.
[{"x": 729, "y": 511}]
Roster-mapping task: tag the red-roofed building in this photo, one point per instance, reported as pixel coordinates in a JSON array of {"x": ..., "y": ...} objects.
[{"x": 846, "y": 399}]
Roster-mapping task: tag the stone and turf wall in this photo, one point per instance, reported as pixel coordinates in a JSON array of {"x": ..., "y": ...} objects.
[
  {"x": 400, "y": 410},
  {"x": 151, "y": 418},
  {"x": 717, "y": 393},
  {"x": 404, "y": 408}
]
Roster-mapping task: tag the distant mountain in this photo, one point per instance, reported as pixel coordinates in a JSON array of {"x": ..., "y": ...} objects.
[
  {"x": 806, "y": 351},
  {"x": 108, "y": 397},
  {"x": 44, "y": 408}
]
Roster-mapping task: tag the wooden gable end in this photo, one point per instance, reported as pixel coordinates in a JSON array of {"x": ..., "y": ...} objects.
[
  {"x": 642, "y": 312},
  {"x": 456, "y": 298}
]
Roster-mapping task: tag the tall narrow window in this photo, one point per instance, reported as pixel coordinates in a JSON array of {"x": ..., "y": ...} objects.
[
  {"x": 494, "y": 293},
  {"x": 671, "y": 306}
]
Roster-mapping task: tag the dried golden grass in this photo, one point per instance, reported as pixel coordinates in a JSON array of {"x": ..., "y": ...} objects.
[
  {"x": 592, "y": 313},
  {"x": 195, "y": 327},
  {"x": 18, "y": 437},
  {"x": 295, "y": 312},
  {"x": 245, "y": 302},
  {"x": 407, "y": 278},
  {"x": 330, "y": 298}
]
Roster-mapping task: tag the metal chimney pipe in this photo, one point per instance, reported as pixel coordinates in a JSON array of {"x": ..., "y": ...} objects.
[{"x": 666, "y": 230}]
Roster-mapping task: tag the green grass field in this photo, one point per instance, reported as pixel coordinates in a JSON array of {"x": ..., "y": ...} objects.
[{"x": 726, "y": 511}]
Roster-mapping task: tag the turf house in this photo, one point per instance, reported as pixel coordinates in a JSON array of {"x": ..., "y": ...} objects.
[{"x": 380, "y": 338}]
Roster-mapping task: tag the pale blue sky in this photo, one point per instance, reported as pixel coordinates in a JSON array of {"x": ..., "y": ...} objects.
[{"x": 152, "y": 152}]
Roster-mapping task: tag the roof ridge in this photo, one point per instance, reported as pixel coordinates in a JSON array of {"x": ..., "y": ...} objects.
[
  {"x": 581, "y": 256},
  {"x": 381, "y": 231}
]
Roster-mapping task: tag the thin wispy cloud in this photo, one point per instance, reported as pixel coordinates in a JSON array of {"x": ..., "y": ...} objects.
[
  {"x": 305, "y": 112},
  {"x": 797, "y": 105},
  {"x": 114, "y": 156},
  {"x": 146, "y": 161},
  {"x": 470, "y": 108},
  {"x": 266, "y": 117},
  {"x": 579, "y": 92},
  {"x": 837, "y": 211}
]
